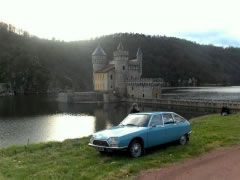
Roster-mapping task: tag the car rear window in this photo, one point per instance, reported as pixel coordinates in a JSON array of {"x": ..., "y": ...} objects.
[{"x": 178, "y": 118}]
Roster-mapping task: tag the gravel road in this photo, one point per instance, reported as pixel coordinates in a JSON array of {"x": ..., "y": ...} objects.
[{"x": 222, "y": 164}]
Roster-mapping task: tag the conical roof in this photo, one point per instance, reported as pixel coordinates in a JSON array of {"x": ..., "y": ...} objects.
[
  {"x": 99, "y": 51},
  {"x": 120, "y": 47}
]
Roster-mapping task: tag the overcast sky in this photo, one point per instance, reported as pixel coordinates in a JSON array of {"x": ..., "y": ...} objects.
[{"x": 204, "y": 21}]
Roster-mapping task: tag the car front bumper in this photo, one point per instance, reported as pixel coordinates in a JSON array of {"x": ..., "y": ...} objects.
[{"x": 106, "y": 147}]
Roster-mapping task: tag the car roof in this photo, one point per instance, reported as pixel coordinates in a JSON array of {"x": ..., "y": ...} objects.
[{"x": 154, "y": 112}]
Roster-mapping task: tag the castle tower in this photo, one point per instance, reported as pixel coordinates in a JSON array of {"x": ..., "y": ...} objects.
[
  {"x": 99, "y": 61},
  {"x": 140, "y": 58},
  {"x": 99, "y": 58},
  {"x": 120, "y": 58}
]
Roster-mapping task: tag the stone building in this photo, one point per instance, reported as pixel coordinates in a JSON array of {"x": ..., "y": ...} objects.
[{"x": 122, "y": 76}]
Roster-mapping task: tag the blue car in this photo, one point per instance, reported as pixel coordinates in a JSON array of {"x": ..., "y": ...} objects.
[{"x": 139, "y": 131}]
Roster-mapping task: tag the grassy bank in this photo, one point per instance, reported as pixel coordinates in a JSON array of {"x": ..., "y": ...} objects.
[{"x": 73, "y": 159}]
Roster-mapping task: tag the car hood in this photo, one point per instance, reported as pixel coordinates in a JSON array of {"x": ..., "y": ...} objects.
[{"x": 117, "y": 131}]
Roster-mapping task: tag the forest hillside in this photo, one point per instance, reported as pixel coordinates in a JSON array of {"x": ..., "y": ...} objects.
[{"x": 31, "y": 64}]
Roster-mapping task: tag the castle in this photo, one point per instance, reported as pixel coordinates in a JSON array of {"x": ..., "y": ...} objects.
[{"x": 122, "y": 77}]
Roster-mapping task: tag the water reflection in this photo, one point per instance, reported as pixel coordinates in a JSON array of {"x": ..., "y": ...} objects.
[
  {"x": 70, "y": 126},
  {"x": 45, "y": 128},
  {"x": 39, "y": 119}
]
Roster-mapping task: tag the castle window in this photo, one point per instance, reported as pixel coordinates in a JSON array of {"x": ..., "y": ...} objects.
[
  {"x": 123, "y": 67},
  {"x": 111, "y": 77},
  {"x": 143, "y": 95}
]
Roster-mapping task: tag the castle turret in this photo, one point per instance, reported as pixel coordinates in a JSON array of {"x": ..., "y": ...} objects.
[
  {"x": 121, "y": 69},
  {"x": 99, "y": 58},
  {"x": 140, "y": 58},
  {"x": 99, "y": 61}
]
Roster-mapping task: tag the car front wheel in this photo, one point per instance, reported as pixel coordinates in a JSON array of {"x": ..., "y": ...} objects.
[
  {"x": 183, "y": 140},
  {"x": 135, "y": 149},
  {"x": 103, "y": 152}
]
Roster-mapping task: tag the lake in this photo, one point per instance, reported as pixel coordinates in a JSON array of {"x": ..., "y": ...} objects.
[{"x": 35, "y": 119}]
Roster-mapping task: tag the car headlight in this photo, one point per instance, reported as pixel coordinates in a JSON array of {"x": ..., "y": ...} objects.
[
  {"x": 92, "y": 139},
  {"x": 113, "y": 141}
]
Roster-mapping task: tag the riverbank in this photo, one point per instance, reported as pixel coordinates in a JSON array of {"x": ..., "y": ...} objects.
[{"x": 73, "y": 159}]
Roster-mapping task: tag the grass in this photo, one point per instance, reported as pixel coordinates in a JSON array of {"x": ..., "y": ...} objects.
[{"x": 73, "y": 159}]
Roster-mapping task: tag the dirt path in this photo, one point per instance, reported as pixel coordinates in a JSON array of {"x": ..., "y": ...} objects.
[{"x": 217, "y": 165}]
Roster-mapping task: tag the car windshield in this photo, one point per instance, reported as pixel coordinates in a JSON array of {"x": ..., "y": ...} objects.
[{"x": 140, "y": 120}]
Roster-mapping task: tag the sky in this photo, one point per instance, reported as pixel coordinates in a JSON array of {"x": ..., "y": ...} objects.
[{"x": 203, "y": 21}]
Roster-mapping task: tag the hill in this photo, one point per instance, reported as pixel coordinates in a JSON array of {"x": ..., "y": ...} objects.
[{"x": 32, "y": 64}]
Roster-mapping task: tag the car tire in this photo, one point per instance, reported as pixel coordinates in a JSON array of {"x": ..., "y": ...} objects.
[
  {"x": 135, "y": 149},
  {"x": 183, "y": 140},
  {"x": 103, "y": 152}
]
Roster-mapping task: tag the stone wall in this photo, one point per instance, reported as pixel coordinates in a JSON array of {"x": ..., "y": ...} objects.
[{"x": 145, "y": 88}]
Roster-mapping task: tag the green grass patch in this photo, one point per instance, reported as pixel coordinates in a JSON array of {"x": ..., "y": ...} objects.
[{"x": 73, "y": 159}]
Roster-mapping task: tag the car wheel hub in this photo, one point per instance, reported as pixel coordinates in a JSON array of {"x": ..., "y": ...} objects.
[
  {"x": 136, "y": 150},
  {"x": 183, "y": 140}
]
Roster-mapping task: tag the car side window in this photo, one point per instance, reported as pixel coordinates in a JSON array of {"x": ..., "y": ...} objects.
[
  {"x": 156, "y": 120},
  {"x": 168, "y": 119},
  {"x": 178, "y": 118}
]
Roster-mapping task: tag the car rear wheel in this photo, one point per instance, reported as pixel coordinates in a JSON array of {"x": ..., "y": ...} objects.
[
  {"x": 183, "y": 140},
  {"x": 135, "y": 149},
  {"x": 103, "y": 152}
]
